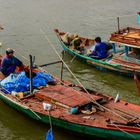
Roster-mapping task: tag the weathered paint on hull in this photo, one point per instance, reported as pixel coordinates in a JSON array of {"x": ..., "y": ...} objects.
[
  {"x": 80, "y": 129},
  {"x": 102, "y": 66}
]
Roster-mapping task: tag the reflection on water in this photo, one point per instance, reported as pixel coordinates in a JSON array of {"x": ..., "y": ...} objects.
[{"x": 22, "y": 22}]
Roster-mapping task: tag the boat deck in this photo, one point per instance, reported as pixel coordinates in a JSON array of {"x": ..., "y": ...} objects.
[
  {"x": 65, "y": 95},
  {"x": 98, "y": 119},
  {"x": 129, "y": 36},
  {"x": 63, "y": 98}
]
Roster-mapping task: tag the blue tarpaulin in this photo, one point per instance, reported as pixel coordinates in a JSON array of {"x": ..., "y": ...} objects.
[{"x": 21, "y": 83}]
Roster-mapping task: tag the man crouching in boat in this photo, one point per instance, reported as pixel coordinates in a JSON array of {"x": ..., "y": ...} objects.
[
  {"x": 10, "y": 62},
  {"x": 77, "y": 43},
  {"x": 100, "y": 51}
]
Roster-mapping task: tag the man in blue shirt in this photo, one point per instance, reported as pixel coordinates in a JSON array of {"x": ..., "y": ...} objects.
[
  {"x": 10, "y": 62},
  {"x": 100, "y": 50}
]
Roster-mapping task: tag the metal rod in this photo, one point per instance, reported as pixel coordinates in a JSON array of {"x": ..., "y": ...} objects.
[
  {"x": 31, "y": 78},
  {"x": 43, "y": 65}
]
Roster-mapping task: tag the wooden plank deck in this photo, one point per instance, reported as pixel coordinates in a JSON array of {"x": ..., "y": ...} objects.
[
  {"x": 128, "y": 36},
  {"x": 65, "y": 95}
]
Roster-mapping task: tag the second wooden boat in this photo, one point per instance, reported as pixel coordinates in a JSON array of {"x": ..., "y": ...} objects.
[{"x": 117, "y": 61}]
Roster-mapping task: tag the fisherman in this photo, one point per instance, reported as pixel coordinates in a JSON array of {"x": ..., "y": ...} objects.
[
  {"x": 76, "y": 43},
  {"x": 10, "y": 62},
  {"x": 66, "y": 38},
  {"x": 100, "y": 51}
]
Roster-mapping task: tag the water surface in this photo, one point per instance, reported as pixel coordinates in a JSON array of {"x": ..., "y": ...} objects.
[{"x": 26, "y": 23}]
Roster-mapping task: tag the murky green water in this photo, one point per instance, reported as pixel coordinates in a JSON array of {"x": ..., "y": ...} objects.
[{"x": 25, "y": 23}]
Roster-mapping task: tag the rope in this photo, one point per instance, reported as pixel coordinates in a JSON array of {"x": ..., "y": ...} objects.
[
  {"x": 18, "y": 53},
  {"x": 24, "y": 106},
  {"x": 124, "y": 131},
  {"x": 50, "y": 119},
  {"x": 91, "y": 98},
  {"x": 76, "y": 79},
  {"x": 23, "y": 56}
]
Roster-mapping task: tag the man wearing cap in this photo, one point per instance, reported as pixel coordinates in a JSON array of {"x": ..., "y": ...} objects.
[{"x": 10, "y": 62}]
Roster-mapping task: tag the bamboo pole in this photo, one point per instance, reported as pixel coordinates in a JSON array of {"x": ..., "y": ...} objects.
[{"x": 118, "y": 23}]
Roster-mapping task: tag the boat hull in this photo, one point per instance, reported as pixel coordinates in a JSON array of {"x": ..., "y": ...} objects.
[
  {"x": 77, "y": 128},
  {"x": 99, "y": 64}
]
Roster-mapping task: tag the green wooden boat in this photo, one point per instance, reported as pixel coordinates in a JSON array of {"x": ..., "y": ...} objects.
[
  {"x": 121, "y": 58},
  {"x": 80, "y": 111}
]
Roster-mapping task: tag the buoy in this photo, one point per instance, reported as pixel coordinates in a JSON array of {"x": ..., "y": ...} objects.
[
  {"x": 74, "y": 110},
  {"x": 20, "y": 95}
]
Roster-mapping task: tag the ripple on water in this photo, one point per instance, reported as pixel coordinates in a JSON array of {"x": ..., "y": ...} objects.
[{"x": 5, "y": 133}]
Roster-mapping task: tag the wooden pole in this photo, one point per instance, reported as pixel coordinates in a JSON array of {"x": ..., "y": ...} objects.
[
  {"x": 118, "y": 21},
  {"x": 31, "y": 78},
  {"x": 62, "y": 66},
  {"x": 138, "y": 14},
  {"x": 137, "y": 82}
]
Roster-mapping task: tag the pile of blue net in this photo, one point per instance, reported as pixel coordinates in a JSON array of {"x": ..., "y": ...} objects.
[{"x": 21, "y": 83}]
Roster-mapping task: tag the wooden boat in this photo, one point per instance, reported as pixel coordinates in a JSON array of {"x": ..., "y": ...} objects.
[
  {"x": 118, "y": 60},
  {"x": 71, "y": 107}
]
